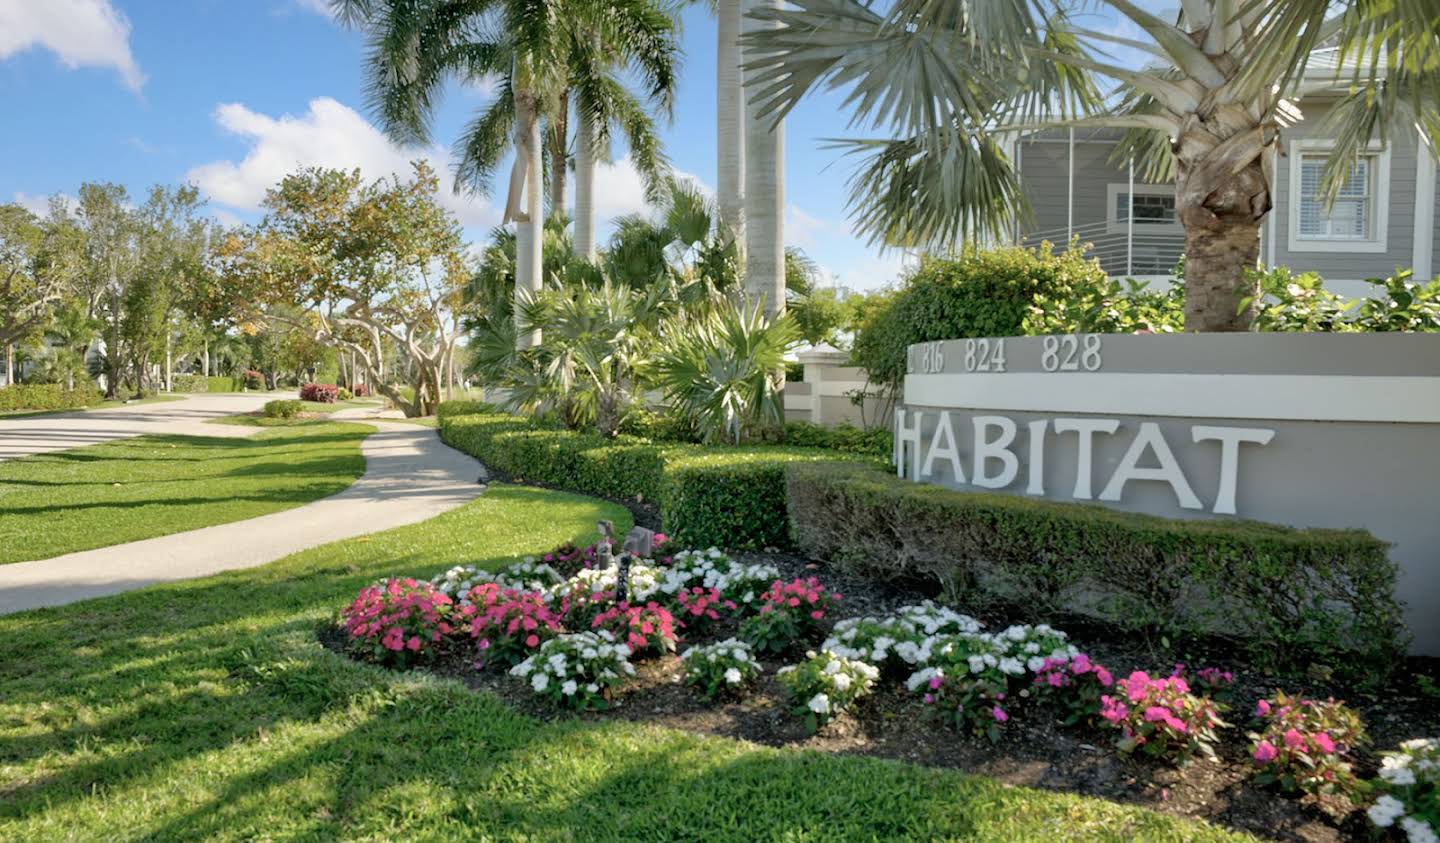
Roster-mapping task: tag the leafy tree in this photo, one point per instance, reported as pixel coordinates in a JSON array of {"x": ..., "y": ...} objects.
[
  {"x": 366, "y": 265},
  {"x": 39, "y": 264},
  {"x": 1208, "y": 109}
]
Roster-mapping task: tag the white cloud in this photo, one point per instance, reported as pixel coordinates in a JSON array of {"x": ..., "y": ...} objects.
[
  {"x": 81, "y": 33},
  {"x": 319, "y": 7},
  {"x": 225, "y": 218},
  {"x": 40, "y": 205},
  {"x": 329, "y": 134},
  {"x": 803, "y": 230}
]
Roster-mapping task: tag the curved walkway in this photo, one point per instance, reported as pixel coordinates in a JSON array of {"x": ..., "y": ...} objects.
[
  {"x": 62, "y": 431},
  {"x": 410, "y": 475}
]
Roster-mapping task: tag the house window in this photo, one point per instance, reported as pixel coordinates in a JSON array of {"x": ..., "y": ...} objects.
[
  {"x": 1148, "y": 209},
  {"x": 1356, "y": 222},
  {"x": 1153, "y": 206},
  {"x": 1352, "y": 215}
]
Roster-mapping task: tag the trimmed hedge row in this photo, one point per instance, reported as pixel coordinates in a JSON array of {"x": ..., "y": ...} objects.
[
  {"x": 189, "y": 383},
  {"x": 728, "y": 496},
  {"x": 47, "y": 396},
  {"x": 1288, "y": 597}
]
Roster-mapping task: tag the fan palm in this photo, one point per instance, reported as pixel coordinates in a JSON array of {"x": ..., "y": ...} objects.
[
  {"x": 544, "y": 54},
  {"x": 1208, "y": 109}
]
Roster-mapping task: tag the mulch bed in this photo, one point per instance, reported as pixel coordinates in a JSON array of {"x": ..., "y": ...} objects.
[{"x": 1033, "y": 750}]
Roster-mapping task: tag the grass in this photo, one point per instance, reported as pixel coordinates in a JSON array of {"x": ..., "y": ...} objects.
[
  {"x": 156, "y": 485},
  {"x": 207, "y": 710},
  {"x": 154, "y": 399}
]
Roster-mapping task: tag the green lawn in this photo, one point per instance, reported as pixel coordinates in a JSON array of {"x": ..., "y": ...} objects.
[
  {"x": 155, "y": 485},
  {"x": 207, "y": 710}
]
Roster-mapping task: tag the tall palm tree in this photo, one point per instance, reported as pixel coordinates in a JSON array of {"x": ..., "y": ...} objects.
[
  {"x": 730, "y": 120},
  {"x": 764, "y": 183},
  {"x": 1207, "y": 109},
  {"x": 546, "y": 54}
]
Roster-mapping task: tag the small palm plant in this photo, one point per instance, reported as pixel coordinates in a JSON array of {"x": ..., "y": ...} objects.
[{"x": 725, "y": 371}]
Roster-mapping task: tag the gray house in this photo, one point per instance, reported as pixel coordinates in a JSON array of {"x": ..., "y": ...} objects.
[{"x": 1387, "y": 216}]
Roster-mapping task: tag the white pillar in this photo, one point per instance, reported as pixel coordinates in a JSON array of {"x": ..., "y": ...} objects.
[
  {"x": 1130, "y": 222},
  {"x": 1070, "y": 192},
  {"x": 1423, "y": 260}
]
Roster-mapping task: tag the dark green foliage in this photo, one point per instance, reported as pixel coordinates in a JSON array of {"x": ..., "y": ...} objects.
[
  {"x": 1289, "y": 598},
  {"x": 728, "y": 496},
  {"x": 283, "y": 408},
  {"x": 844, "y": 437},
  {"x": 190, "y": 383},
  {"x": 46, "y": 396},
  {"x": 977, "y": 294}
]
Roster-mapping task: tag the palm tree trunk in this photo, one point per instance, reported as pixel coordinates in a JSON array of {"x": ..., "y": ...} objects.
[
  {"x": 585, "y": 186},
  {"x": 555, "y": 140},
  {"x": 529, "y": 240},
  {"x": 730, "y": 107},
  {"x": 764, "y": 198},
  {"x": 1221, "y": 206}
]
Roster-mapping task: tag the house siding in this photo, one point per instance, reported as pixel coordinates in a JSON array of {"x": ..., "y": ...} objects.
[
  {"x": 1400, "y": 234},
  {"x": 1044, "y": 169}
]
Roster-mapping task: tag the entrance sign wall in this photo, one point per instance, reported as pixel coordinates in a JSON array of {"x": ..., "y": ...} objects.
[{"x": 1309, "y": 430}]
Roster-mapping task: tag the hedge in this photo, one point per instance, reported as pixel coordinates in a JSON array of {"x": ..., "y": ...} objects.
[
  {"x": 47, "y": 396},
  {"x": 1287, "y": 597},
  {"x": 221, "y": 383},
  {"x": 189, "y": 383},
  {"x": 728, "y": 496}
]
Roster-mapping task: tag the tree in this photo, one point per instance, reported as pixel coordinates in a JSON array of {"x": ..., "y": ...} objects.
[
  {"x": 546, "y": 53},
  {"x": 111, "y": 261},
  {"x": 764, "y": 183},
  {"x": 1208, "y": 109},
  {"x": 39, "y": 263},
  {"x": 730, "y": 120},
  {"x": 363, "y": 265}
]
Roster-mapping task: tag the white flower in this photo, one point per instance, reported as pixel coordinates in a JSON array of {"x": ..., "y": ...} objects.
[
  {"x": 732, "y": 676},
  {"x": 832, "y": 667},
  {"x": 820, "y": 704},
  {"x": 1418, "y": 831},
  {"x": 1012, "y": 667},
  {"x": 568, "y": 689},
  {"x": 977, "y": 664},
  {"x": 539, "y": 682},
  {"x": 1386, "y": 810},
  {"x": 1398, "y": 775},
  {"x": 1035, "y": 663},
  {"x": 592, "y": 688},
  {"x": 841, "y": 681},
  {"x": 522, "y": 669}
]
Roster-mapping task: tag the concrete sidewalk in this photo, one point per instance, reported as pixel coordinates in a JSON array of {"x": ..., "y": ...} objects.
[
  {"x": 188, "y": 417},
  {"x": 410, "y": 475}
]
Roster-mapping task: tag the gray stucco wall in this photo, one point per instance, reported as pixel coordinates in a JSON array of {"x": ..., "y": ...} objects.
[{"x": 1355, "y": 421}]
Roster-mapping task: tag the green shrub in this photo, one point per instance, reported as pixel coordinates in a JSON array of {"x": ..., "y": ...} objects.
[
  {"x": 728, "y": 496},
  {"x": 1287, "y": 597},
  {"x": 47, "y": 396},
  {"x": 189, "y": 383},
  {"x": 221, "y": 383},
  {"x": 844, "y": 437},
  {"x": 977, "y": 294},
  {"x": 283, "y": 408},
  {"x": 1107, "y": 307}
]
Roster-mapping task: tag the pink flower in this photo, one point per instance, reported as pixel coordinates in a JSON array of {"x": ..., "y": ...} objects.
[
  {"x": 1323, "y": 741},
  {"x": 1262, "y": 708},
  {"x": 1156, "y": 714},
  {"x": 999, "y": 714},
  {"x": 1081, "y": 663},
  {"x": 532, "y": 641},
  {"x": 484, "y": 643},
  {"x": 1055, "y": 680},
  {"x": 1104, "y": 676},
  {"x": 817, "y": 615},
  {"x": 929, "y": 698},
  {"x": 935, "y": 683},
  {"x": 1265, "y": 752},
  {"x": 1294, "y": 740},
  {"x": 414, "y": 643}
]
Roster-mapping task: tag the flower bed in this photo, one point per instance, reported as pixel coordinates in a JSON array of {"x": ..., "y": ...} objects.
[{"x": 892, "y": 675}]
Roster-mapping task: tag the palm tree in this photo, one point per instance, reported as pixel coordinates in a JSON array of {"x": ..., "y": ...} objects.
[
  {"x": 764, "y": 182},
  {"x": 1207, "y": 110},
  {"x": 730, "y": 120},
  {"x": 545, "y": 53}
]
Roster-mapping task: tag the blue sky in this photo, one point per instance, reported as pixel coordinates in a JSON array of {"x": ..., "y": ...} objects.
[{"x": 232, "y": 95}]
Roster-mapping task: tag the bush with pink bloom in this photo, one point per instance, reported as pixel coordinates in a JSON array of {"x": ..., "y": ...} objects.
[
  {"x": 507, "y": 624},
  {"x": 790, "y": 613},
  {"x": 696, "y": 608},
  {"x": 1304, "y": 745},
  {"x": 1161, "y": 717},
  {"x": 649, "y": 630},
  {"x": 399, "y": 621},
  {"x": 1073, "y": 686},
  {"x": 1211, "y": 682}
]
